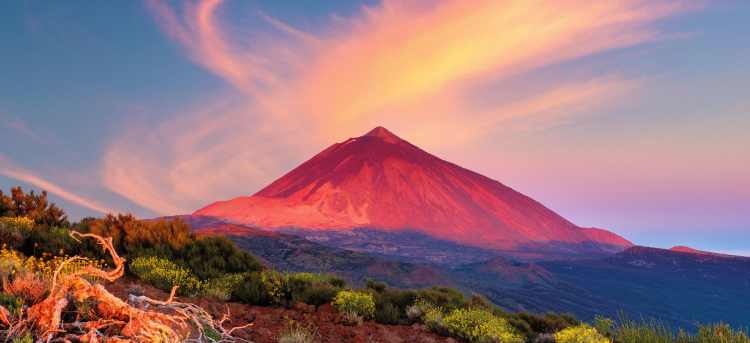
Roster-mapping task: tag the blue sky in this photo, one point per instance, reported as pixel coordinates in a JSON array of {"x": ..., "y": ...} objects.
[{"x": 639, "y": 126}]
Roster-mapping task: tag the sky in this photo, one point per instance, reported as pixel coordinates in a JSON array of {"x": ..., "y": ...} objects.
[{"x": 630, "y": 115}]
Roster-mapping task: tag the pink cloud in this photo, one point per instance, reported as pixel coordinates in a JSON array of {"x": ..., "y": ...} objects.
[
  {"x": 8, "y": 169},
  {"x": 18, "y": 125},
  {"x": 414, "y": 67}
]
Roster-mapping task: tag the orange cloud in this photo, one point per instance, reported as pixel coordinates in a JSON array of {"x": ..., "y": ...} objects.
[
  {"x": 414, "y": 67},
  {"x": 9, "y": 170}
]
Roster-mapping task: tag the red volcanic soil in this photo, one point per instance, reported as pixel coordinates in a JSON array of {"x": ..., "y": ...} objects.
[
  {"x": 268, "y": 322},
  {"x": 381, "y": 181}
]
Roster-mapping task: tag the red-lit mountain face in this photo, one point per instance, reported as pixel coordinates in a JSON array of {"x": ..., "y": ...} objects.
[{"x": 383, "y": 182}]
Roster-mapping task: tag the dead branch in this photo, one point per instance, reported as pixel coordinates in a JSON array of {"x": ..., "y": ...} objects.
[
  {"x": 4, "y": 316},
  {"x": 141, "y": 319}
]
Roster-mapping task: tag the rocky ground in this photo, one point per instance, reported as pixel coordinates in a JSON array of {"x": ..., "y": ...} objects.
[{"x": 268, "y": 322}]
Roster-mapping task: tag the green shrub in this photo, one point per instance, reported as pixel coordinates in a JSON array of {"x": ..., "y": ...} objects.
[
  {"x": 54, "y": 240},
  {"x": 359, "y": 303},
  {"x": 533, "y": 325},
  {"x": 580, "y": 334},
  {"x": 221, "y": 288},
  {"x": 418, "y": 309},
  {"x": 433, "y": 319},
  {"x": 251, "y": 291},
  {"x": 165, "y": 274},
  {"x": 212, "y": 257},
  {"x": 479, "y": 325},
  {"x": 34, "y": 206},
  {"x": 388, "y": 313},
  {"x": 312, "y": 289},
  {"x": 445, "y": 297},
  {"x": 376, "y": 286},
  {"x": 13, "y": 231},
  {"x": 317, "y": 294},
  {"x": 604, "y": 325},
  {"x": 261, "y": 288}
]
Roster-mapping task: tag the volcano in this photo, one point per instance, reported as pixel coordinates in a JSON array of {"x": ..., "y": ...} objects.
[{"x": 380, "y": 181}]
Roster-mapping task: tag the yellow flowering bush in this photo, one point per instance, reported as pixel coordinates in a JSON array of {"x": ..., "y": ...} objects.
[
  {"x": 479, "y": 325},
  {"x": 580, "y": 334},
  {"x": 13, "y": 230},
  {"x": 17, "y": 222},
  {"x": 12, "y": 262},
  {"x": 273, "y": 282},
  {"x": 359, "y": 303},
  {"x": 165, "y": 274}
]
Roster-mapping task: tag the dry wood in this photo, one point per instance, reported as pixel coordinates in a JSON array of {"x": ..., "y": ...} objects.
[{"x": 101, "y": 316}]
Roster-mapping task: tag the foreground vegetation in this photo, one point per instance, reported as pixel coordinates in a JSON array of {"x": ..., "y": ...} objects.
[{"x": 37, "y": 241}]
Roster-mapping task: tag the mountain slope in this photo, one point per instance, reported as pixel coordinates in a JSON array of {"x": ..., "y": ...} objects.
[{"x": 383, "y": 182}]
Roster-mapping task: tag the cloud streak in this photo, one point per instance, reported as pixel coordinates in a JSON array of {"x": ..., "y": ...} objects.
[
  {"x": 422, "y": 68},
  {"x": 19, "y": 126},
  {"x": 8, "y": 169}
]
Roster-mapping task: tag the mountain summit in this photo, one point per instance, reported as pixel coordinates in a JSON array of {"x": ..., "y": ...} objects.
[{"x": 380, "y": 181}]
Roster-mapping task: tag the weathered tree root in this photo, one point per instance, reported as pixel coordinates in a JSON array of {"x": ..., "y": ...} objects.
[{"x": 102, "y": 316}]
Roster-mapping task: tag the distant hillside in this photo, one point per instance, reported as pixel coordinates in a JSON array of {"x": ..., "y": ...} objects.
[{"x": 677, "y": 287}]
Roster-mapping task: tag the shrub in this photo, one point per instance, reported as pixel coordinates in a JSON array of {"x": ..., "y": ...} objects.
[
  {"x": 388, "y": 313},
  {"x": 165, "y": 274},
  {"x": 295, "y": 332},
  {"x": 316, "y": 294},
  {"x": 13, "y": 230},
  {"x": 212, "y": 257},
  {"x": 445, "y": 297},
  {"x": 479, "y": 325},
  {"x": 376, "y": 286},
  {"x": 580, "y": 334},
  {"x": 604, "y": 325},
  {"x": 11, "y": 262},
  {"x": 391, "y": 306},
  {"x": 549, "y": 322},
  {"x": 33, "y": 206},
  {"x": 312, "y": 289},
  {"x": 359, "y": 303},
  {"x": 221, "y": 288},
  {"x": 433, "y": 319},
  {"x": 251, "y": 290},
  {"x": 14, "y": 263},
  {"x": 261, "y": 288},
  {"x": 52, "y": 240}
]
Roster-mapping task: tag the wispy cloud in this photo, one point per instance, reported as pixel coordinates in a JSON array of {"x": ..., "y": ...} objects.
[
  {"x": 19, "y": 126},
  {"x": 413, "y": 66},
  {"x": 9, "y": 169}
]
